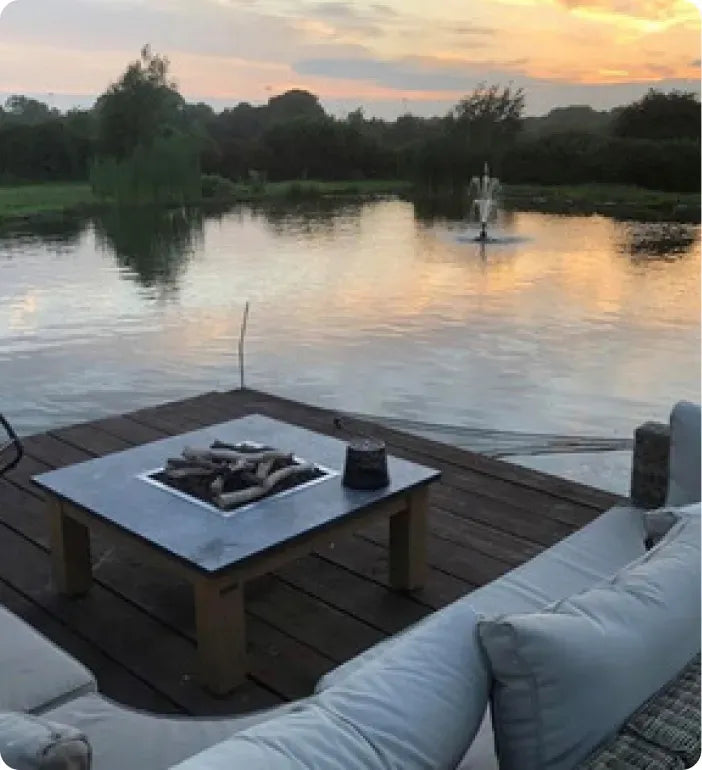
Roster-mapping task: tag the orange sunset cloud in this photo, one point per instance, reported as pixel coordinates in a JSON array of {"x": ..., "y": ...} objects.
[{"x": 385, "y": 56}]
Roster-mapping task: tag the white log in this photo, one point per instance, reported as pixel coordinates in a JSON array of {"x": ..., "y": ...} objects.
[
  {"x": 264, "y": 469},
  {"x": 242, "y": 496},
  {"x": 284, "y": 473}
]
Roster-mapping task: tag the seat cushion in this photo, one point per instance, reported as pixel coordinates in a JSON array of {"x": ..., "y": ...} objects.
[
  {"x": 309, "y": 739},
  {"x": 684, "y": 469},
  {"x": 567, "y": 677},
  {"x": 36, "y": 674},
  {"x": 33, "y": 743},
  {"x": 126, "y": 738}
]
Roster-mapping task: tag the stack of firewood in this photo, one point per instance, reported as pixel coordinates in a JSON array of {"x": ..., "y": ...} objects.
[{"x": 232, "y": 474}]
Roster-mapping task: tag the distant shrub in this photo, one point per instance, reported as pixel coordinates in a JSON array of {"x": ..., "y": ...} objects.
[
  {"x": 257, "y": 180},
  {"x": 303, "y": 190},
  {"x": 168, "y": 171},
  {"x": 582, "y": 158},
  {"x": 217, "y": 188}
]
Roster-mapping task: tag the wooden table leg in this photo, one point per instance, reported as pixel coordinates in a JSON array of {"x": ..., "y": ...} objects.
[
  {"x": 408, "y": 542},
  {"x": 221, "y": 635},
  {"x": 70, "y": 551}
]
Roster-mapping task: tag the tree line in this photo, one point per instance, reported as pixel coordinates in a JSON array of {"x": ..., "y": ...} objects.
[{"x": 142, "y": 139}]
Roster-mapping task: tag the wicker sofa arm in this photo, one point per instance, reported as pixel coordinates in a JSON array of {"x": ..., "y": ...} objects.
[
  {"x": 32, "y": 743},
  {"x": 649, "y": 469}
]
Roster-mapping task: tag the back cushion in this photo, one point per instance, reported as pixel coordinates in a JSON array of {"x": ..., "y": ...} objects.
[
  {"x": 422, "y": 706},
  {"x": 589, "y": 555},
  {"x": 684, "y": 472},
  {"x": 417, "y": 709},
  {"x": 568, "y": 677}
]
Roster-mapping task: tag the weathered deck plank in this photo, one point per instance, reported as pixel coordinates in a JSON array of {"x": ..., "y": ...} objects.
[
  {"x": 158, "y": 594},
  {"x": 136, "y": 627}
]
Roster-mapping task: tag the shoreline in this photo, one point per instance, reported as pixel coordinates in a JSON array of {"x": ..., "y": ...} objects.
[
  {"x": 45, "y": 203},
  {"x": 617, "y": 201}
]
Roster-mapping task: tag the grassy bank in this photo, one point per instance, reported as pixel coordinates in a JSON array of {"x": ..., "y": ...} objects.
[
  {"x": 312, "y": 189},
  {"x": 54, "y": 200},
  {"x": 621, "y": 201},
  {"x": 23, "y": 202}
]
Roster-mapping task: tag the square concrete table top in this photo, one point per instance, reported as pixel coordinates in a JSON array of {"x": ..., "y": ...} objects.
[{"x": 112, "y": 488}]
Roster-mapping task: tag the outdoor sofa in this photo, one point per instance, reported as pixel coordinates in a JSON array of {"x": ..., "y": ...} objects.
[{"x": 544, "y": 665}]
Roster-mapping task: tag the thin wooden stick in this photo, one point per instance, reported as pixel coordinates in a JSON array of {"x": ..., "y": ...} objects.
[{"x": 241, "y": 344}]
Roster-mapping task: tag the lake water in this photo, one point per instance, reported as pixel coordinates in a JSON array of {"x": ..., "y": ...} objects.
[{"x": 584, "y": 326}]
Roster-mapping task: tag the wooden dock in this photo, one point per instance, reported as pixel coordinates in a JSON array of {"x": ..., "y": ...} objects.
[{"x": 135, "y": 629}]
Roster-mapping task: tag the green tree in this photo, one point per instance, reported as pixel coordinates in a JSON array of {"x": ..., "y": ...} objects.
[
  {"x": 481, "y": 127},
  {"x": 148, "y": 141},
  {"x": 26, "y": 111},
  {"x": 490, "y": 116},
  {"x": 576, "y": 117},
  {"x": 140, "y": 107},
  {"x": 295, "y": 103},
  {"x": 658, "y": 116}
]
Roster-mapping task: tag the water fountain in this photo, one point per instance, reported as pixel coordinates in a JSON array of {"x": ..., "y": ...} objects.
[{"x": 483, "y": 192}]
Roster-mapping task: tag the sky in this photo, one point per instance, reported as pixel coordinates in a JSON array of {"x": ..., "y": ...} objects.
[{"x": 386, "y": 56}]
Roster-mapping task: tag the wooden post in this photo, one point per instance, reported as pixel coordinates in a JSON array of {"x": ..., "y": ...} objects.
[
  {"x": 221, "y": 635},
  {"x": 649, "y": 467},
  {"x": 408, "y": 542},
  {"x": 70, "y": 551}
]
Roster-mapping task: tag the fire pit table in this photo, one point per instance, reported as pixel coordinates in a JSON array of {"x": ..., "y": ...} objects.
[{"x": 218, "y": 540}]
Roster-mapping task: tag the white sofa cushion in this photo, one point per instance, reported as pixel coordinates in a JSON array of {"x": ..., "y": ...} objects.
[
  {"x": 417, "y": 709},
  {"x": 589, "y": 555},
  {"x": 684, "y": 467},
  {"x": 593, "y": 553},
  {"x": 32, "y": 743},
  {"x": 568, "y": 677},
  {"x": 128, "y": 739},
  {"x": 659, "y": 521},
  {"x": 309, "y": 739},
  {"x": 418, "y": 700},
  {"x": 35, "y": 673}
]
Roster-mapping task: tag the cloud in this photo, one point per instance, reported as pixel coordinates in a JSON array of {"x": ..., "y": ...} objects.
[
  {"x": 383, "y": 9},
  {"x": 660, "y": 70},
  {"x": 344, "y": 18},
  {"x": 417, "y": 73},
  {"x": 209, "y": 29},
  {"x": 344, "y": 9},
  {"x": 383, "y": 73},
  {"x": 434, "y": 81},
  {"x": 336, "y": 9},
  {"x": 470, "y": 30},
  {"x": 352, "y": 51},
  {"x": 646, "y": 10}
]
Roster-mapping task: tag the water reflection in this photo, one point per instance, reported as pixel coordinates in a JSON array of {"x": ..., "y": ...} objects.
[
  {"x": 365, "y": 307},
  {"x": 308, "y": 218},
  {"x": 429, "y": 210},
  {"x": 152, "y": 244},
  {"x": 455, "y": 213},
  {"x": 58, "y": 233},
  {"x": 651, "y": 241}
]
